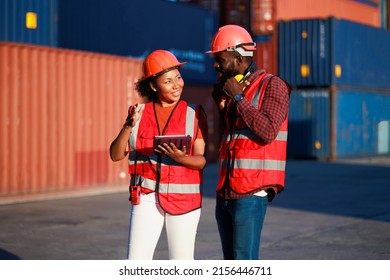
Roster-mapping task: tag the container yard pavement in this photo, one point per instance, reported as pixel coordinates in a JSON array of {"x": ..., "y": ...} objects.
[{"x": 328, "y": 211}]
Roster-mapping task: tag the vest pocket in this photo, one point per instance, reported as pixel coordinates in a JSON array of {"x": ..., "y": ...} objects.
[{"x": 146, "y": 143}]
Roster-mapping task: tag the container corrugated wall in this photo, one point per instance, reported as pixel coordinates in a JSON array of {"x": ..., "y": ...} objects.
[
  {"x": 309, "y": 132},
  {"x": 362, "y": 123},
  {"x": 29, "y": 21},
  {"x": 59, "y": 112},
  {"x": 131, "y": 29},
  {"x": 325, "y": 52},
  {"x": 337, "y": 123},
  {"x": 366, "y": 12},
  {"x": 385, "y": 13},
  {"x": 266, "y": 53},
  {"x": 267, "y": 13},
  {"x": 263, "y": 20},
  {"x": 387, "y": 4},
  {"x": 304, "y": 56},
  {"x": 235, "y": 12}
]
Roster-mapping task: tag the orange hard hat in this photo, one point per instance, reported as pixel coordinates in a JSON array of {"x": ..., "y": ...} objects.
[
  {"x": 159, "y": 61},
  {"x": 233, "y": 38}
]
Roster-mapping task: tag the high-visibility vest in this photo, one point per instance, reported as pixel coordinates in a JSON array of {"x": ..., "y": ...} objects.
[
  {"x": 251, "y": 165},
  {"x": 178, "y": 187}
]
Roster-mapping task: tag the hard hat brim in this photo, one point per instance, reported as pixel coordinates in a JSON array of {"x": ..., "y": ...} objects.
[{"x": 177, "y": 66}]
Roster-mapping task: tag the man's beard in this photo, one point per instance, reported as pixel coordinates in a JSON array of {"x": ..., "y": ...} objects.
[{"x": 228, "y": 73}]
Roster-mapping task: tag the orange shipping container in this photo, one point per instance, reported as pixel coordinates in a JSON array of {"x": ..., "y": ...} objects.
[
  {"x": 266, "y": 13},
  {"x": 59, "y": 112}
]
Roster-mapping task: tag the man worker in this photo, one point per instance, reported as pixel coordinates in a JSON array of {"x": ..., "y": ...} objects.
[{"x": 253, "y": 105}]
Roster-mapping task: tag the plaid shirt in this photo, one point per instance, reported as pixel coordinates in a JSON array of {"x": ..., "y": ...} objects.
[{"x": 265, "y": 123}]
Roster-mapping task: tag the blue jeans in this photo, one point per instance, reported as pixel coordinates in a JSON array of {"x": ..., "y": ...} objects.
[{"x": 240, "y": 222}]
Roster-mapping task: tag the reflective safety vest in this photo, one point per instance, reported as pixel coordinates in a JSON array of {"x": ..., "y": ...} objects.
[
  {"x": 249, "y": 164},
  {"x": 178, "y": 187}
]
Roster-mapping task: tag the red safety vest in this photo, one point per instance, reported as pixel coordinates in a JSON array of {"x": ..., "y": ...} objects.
[
  {"x": 250, "y": 164},
  {"x": 178, "y": 187}
]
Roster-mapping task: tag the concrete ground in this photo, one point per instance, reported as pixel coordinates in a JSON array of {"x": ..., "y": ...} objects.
[{"x": 328, "y": 211}]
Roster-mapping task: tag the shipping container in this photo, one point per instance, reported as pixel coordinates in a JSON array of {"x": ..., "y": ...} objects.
[
  {"x": 336, "y": 123},
  {"x": 384, "y": 14},
  {"x": 235, "y": 12},
  {"x": 309, "y": 125},
  {"x": 386, "y": 4},
  {"x": 60, "y": 110},
  {"x": 266, "y": 54},
  {"x": 267, "y": 13},
  {"x": 202, "y": 95},
  {"x": 263, "y": 20},
  {"x": 29, "y": 21},
  {"x": 325, "y": 52},
  {"x": 135, "y": 28}
]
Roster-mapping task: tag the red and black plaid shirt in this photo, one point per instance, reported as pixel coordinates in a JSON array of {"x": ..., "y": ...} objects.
[{"x": 265, "y": 123}]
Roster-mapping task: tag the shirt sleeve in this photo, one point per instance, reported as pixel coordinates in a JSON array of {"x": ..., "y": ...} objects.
[{"x": 265, "y": 123}]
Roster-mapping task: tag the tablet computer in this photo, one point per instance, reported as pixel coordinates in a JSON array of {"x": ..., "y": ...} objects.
[{"x": 178, "y": 140}]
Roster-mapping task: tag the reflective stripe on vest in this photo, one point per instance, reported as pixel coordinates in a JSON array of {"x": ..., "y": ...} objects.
[
  {"x": 256, "y": 97},
  {"x": 248, "y": 134},
  {"x": 190, "y": 120},
  {"x": 257, "y": 164},
  {"x": 171, "y": 188},
  {"x": 165, "y": 185}
]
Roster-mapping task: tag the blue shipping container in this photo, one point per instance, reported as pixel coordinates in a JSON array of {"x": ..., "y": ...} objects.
[
  {"x": 329, "y": 124},
  {"x": 29, "y": 21},
  {"x": 135, "y": 28},
  {"x": 325, "y": 52},
  {"x": 362, "y": 123},
  {"x": 309, "y": 124}
]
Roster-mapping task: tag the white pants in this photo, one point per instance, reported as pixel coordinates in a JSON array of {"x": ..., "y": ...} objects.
[{"x": 146, "y": 223}]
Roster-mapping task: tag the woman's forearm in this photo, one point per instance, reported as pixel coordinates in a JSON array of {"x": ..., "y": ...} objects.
[{"x": 119, "y": 145}]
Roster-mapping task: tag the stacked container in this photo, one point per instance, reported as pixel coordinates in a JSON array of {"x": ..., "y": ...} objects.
[
  {"x": 266, "y": 14},
  {"x": 61, "y": 107},
  {"x": 59, "y": 112},
  {"x": 341, "y": 79},
  {"x": 33, "y": 22},
  {"x": 135, "y": 28},
  {"x": 330, "y": 52}
]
